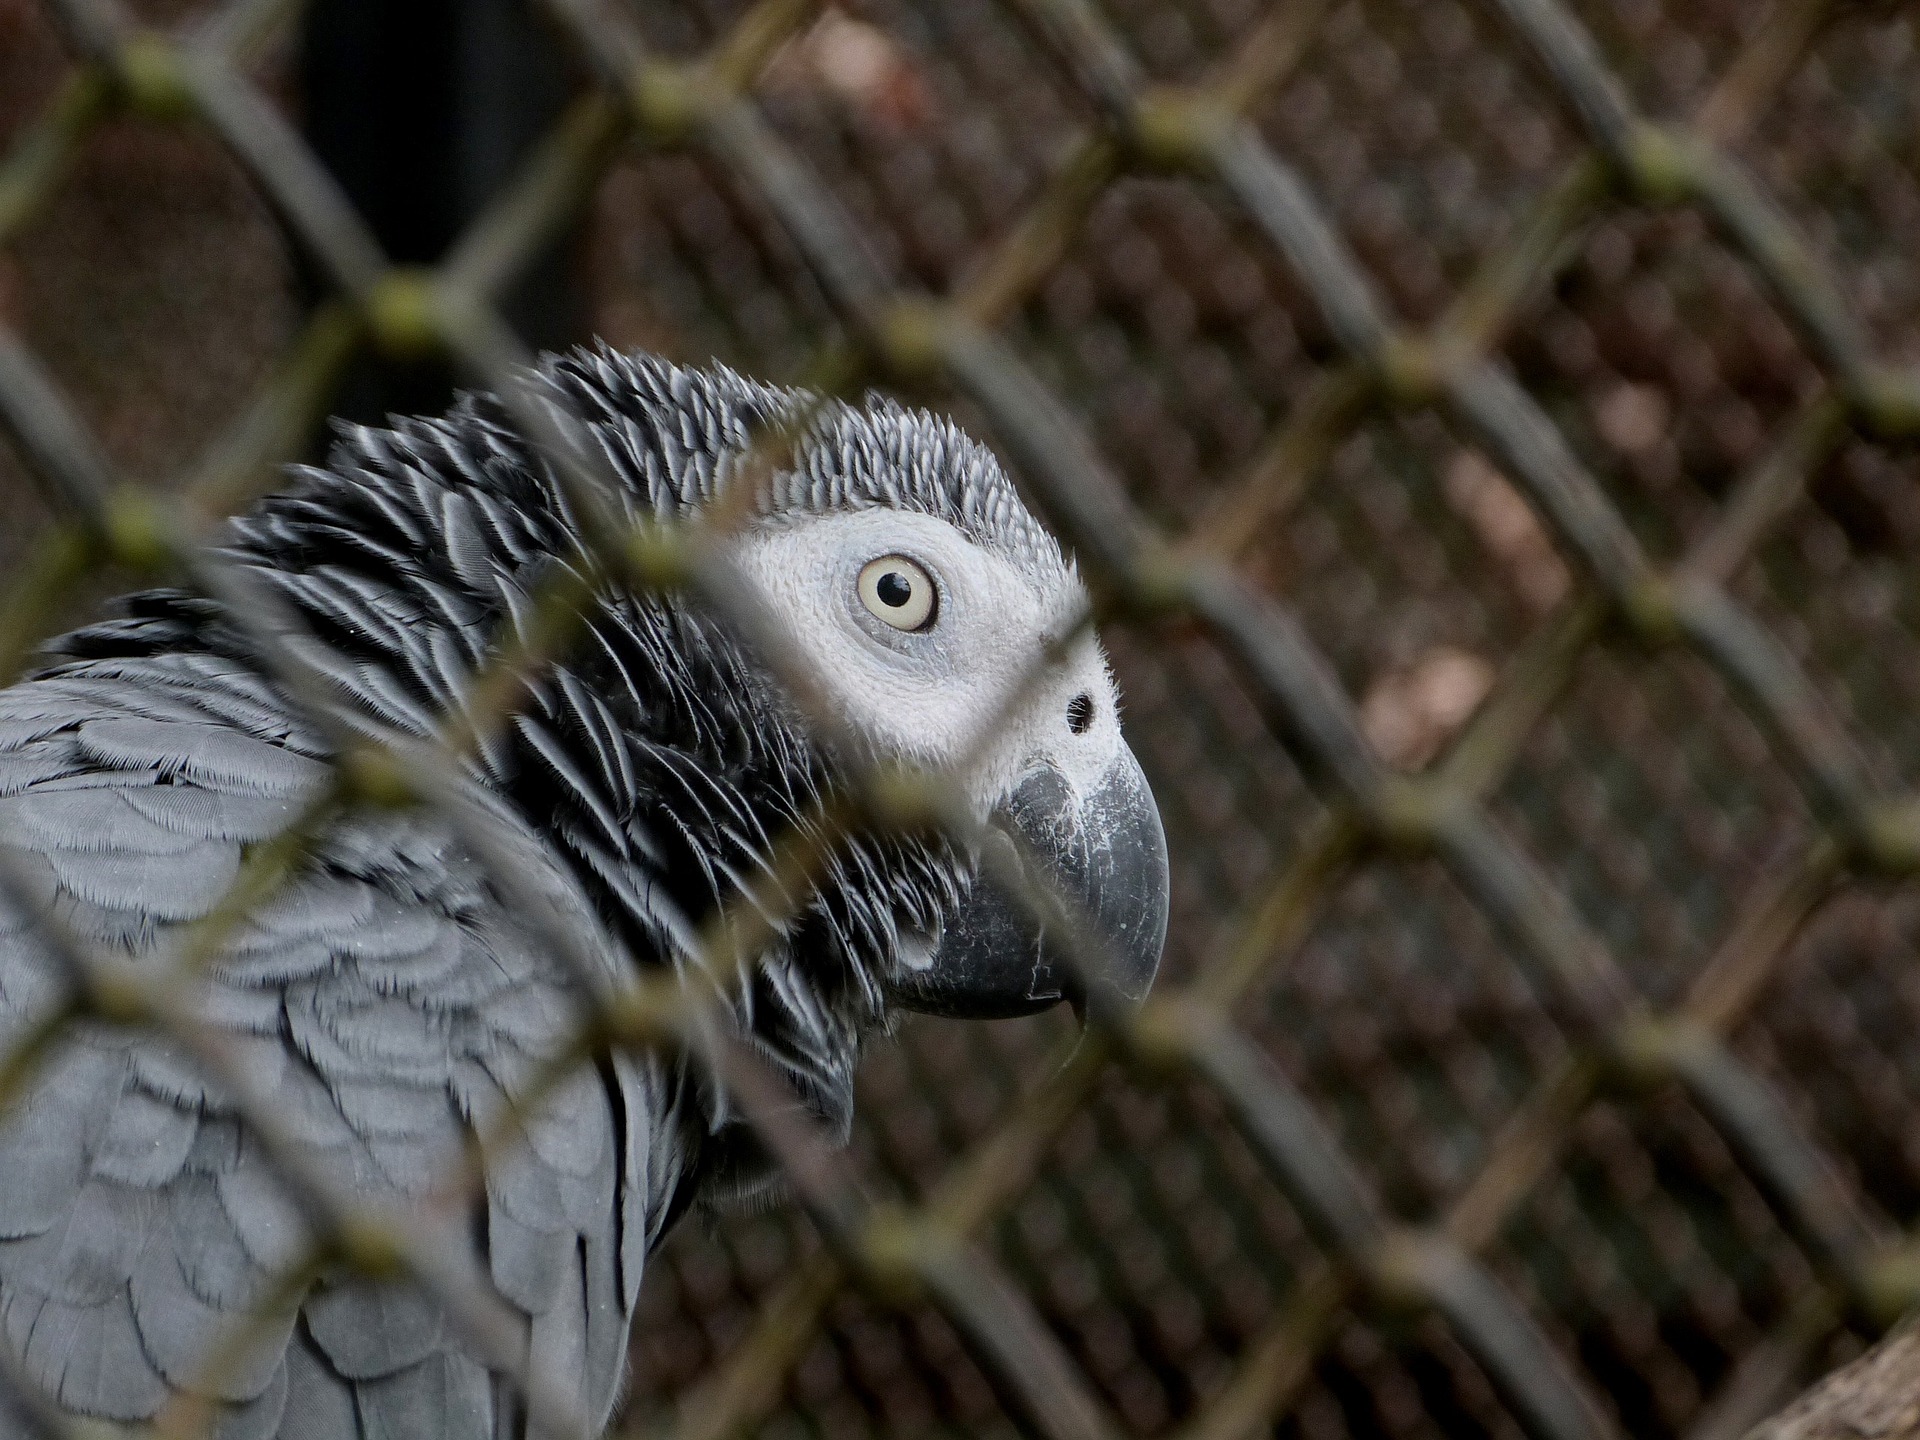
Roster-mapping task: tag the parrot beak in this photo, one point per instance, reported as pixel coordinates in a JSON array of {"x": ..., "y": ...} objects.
[{"x": 1104, "y": 851}]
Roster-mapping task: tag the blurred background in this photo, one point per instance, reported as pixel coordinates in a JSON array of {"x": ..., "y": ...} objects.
[{"x": 158, "y": 289}]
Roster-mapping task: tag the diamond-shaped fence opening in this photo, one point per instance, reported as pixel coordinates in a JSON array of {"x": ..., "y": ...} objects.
[
  {"x": 1428, "y": 133},
  {"x": 1487, "y": 427}
]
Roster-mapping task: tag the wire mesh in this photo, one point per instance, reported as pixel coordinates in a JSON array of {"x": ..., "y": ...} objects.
[{"x": 1501, "y": 497}]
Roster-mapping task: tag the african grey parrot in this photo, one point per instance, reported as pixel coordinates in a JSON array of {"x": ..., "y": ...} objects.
[{"x": 389, "y": 1000}]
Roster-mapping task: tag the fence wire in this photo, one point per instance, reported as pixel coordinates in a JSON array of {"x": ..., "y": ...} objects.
[{"x": 1613, "y": 1206}]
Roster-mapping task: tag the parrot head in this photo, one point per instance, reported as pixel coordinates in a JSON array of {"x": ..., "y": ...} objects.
[{"x": 945, "y": 629}]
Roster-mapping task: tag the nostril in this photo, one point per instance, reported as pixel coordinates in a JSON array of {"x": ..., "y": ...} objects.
[{"x": 1080, "y": 713}]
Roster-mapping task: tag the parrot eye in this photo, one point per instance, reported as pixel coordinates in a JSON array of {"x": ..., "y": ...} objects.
[{"x": 898, "y": 591}]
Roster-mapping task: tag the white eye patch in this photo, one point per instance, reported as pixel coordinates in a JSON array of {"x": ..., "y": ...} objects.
[{"x": 926, "y": 671}]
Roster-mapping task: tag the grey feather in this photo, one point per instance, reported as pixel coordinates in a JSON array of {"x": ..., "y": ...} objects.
[
  {"x": 85, "y": 1257},
  {"x": 37, "y": 763},
  {"x": 319, "y": 1401},
  {"x": 179, "y": 1331},
  {"x": 212, "y": 1259},
  {"x": 369, "y": 1329},
  {"x": 146, "y": 1141},
  {"x": 261, "y": 1417},
  {"x": 163, "y": 1069},
  {"x": 88, "y": 1357},
  {"x": 525, "y": 1263},
  {"x": 211, "y": 754},
  {"x": 43, "y": 1168},
  {"x": 445, "y": 1397},
  {"x": 180, "y": 886},
  {"x": 558, "y": 1342},
  {"x": 267, "y": 1219},
  {"x": 88, "y": 822},
  {"x": 213, "y": 815}
]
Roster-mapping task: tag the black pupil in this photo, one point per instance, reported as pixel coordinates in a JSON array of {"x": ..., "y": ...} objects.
[{"x": 894, "y": 589}]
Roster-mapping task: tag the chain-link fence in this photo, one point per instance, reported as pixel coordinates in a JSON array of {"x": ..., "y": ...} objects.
[{"x": 1483, "y": 426}]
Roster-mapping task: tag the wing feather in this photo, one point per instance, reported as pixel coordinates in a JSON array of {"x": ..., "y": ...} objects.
[
  {"x": 369, "y": 1329},
  {"x": 179, "y": 1331},
  {"x": 84, "y": 1258},
  {"x": 259, "y": 1418},
  {"x": 88, "y": 1357},
  {"x": 215, "y": 755},
  {"x": 386, "y": 1004},
  {"x": 319, "y": 1399},
  {"x": 146, "y": 1141},
  {"x": 447, "y": 1396},
  {"x": 182, "y": 886}
]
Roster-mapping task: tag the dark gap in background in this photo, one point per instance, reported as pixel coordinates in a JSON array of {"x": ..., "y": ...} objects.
[{"x": 423, "y": 110}]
